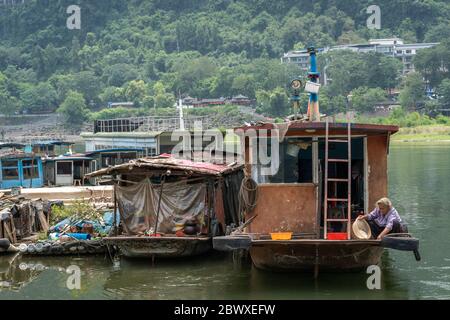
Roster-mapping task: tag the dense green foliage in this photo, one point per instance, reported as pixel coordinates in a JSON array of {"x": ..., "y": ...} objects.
[
  {"x": 404, "y": 119},
  {"x": 74, "y": 109},
  {"x": 149, "y": 51}
]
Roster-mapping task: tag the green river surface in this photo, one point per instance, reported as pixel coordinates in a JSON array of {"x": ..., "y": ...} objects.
[{"x": 419, "y": 185}]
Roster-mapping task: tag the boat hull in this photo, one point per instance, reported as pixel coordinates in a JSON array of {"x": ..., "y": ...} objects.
[
  {"x": 315, "y": 255},
  {"x": 160, "y": 247}
]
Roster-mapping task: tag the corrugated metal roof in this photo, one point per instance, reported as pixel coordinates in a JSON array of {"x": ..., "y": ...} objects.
[{"x": 167, "y": 162}]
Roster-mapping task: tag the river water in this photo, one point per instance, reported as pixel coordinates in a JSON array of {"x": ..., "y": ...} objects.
[{"x": 419, "y": 186}]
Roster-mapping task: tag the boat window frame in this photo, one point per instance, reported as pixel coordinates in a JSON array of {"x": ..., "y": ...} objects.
[
  {"x": 300, "y": 184},
  {"x": 10, "y": 167},
  {"x": 315, "y": 161},
  {"x": 35, "y": 168},
  {"x": 64, "y": 174}
]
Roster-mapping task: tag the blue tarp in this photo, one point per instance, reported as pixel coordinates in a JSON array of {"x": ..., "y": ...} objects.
[{"x": 108, "y": 219}]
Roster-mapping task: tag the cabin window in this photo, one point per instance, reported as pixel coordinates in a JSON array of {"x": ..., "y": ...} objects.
[
  {"x": 126, "y": 157},
  {"x": 64, "y": 168},
  {"x": 294, "y": 165},
  {"x": 10, "y": 170},
  {"x": 30, "y": 173},
  {"x": 109, "y": 160},
  {"x": 10, "y": 174},
  {"x": 30, "y": 169},
  {"x": 150, "y": 152},
  {"x": 10, "y": 163}
]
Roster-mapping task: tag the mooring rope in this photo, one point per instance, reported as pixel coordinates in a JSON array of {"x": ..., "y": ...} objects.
[{"x": 248, "y": 195}]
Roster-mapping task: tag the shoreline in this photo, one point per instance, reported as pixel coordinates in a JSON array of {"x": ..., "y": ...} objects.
[{"x": 432, "y": 134}]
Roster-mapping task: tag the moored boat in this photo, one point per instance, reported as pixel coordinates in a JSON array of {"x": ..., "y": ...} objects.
[
  {"x": 161, "y": 247},
  {"x": 171, "y": 207},
  {"x": 313, "y": 179}
]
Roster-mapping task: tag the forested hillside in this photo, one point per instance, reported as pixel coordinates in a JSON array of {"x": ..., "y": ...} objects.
[{"x": 147, "y": 51}]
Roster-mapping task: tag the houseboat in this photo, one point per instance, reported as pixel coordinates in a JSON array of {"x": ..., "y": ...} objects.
[
  {"x": 104, "y": 158},
  {"x": 321, "y": 177},
  {"x": 71, "y": 169},
  {"x": 48, "y": 148},
  {"x": 171, "y": 207},
  {"x": 67, "y": 170},
  {"x": 18, "y": 168}
]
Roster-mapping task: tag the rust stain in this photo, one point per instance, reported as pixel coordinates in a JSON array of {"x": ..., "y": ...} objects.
[
  {"x": 285, "y": 208},
  {"x": 378, "y": 181}
]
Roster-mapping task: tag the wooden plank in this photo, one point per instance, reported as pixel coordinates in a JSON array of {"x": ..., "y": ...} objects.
[
  {"x": 8, "y": 232},
  {"x": 13, "y": 230},
  {"x": 43, "y": 221}
]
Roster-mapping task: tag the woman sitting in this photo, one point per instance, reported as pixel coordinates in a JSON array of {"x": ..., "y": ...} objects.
[{"x": 384, "y": 219}]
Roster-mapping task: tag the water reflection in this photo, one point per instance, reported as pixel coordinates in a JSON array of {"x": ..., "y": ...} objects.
[{"x": 220, "y": 277}]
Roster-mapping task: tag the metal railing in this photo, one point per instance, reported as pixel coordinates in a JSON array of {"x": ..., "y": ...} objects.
[{"x": 149, "y": 124}]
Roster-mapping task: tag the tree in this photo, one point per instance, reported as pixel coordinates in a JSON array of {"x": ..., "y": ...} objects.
[
  {"x": 162, "y": 99},
  {"x": 74, "y": 57},
  {"x": 112, "y": 94},
  {"x": 8, "y": 104},
  {"x": 351, "y": 70},
  {"x": 347, "y": 69},
  {"x": 119, "y": 74},
  {"x": 74, "y": 109},
  {"x": 444, "y": 93},
  {"x": 136, "y": 91},
  {"x": 438, "y": 32},
  {"x": 434, "y": 63},
  {"x": 413, "y": 91},
  {"x": 39, "y": 98},
  {"x": 273, "y": 103},
  {"x": 364, "y": 99},
  {"x": 244, "y": 84}
]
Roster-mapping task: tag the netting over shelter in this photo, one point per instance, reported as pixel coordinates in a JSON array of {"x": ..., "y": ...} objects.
[{"x": 180, "y": 202}]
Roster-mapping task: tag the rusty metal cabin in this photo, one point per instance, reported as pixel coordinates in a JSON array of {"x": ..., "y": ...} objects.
[{"x": 293, "y": 198}]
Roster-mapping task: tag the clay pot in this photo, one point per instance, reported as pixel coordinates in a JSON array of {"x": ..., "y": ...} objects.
[
  {"x": 190, "y": 230},
  {"x": 179, "y": 233}
]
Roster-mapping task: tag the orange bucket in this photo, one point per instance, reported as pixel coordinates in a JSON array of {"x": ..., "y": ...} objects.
[{"x": 281, "y": 235}]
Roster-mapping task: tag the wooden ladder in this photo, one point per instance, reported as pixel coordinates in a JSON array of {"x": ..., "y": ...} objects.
[{"x": 338, "y": 181}]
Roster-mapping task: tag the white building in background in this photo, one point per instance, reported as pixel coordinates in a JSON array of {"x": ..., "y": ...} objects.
[{"x": 393, "y": 47}]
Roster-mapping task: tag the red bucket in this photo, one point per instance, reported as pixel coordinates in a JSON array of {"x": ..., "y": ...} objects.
[{"x": 337, "y": 236}]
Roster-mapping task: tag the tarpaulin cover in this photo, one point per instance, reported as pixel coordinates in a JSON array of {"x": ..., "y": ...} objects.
[{"x": 180, "y": 202}]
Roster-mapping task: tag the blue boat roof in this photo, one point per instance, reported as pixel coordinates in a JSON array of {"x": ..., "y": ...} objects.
[
  {"x": 19, "y": 156},
  {"x": 11, "y": 145},
  {"x": 69, "y": 158},
  {"x": 112, "y": 150},
  {"x": 51, "y": 142}
]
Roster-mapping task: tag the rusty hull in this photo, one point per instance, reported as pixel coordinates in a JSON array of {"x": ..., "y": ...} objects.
[{"x": 304, "y": 255}]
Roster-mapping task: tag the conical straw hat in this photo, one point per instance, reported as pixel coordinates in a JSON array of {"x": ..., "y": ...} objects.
[{"x": 361, "y": 230}]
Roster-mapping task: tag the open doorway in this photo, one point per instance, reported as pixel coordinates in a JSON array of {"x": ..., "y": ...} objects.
[{"x": 338, "y": 190}]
